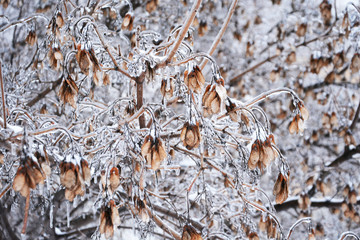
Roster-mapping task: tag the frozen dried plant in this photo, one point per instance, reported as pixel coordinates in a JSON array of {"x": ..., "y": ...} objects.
[{"x": 174, "y": 119}]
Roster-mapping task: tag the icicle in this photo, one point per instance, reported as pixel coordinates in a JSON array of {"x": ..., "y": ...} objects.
[
  {"x": 162, "y": 173},
  {"x": 177, "y": 171},
  {"x": 68, "y": 213},
  {"x": 141, "y": 194},
  {"x": 51, "y": 215}
]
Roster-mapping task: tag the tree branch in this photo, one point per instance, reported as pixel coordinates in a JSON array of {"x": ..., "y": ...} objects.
[
  {"x": 221, "y": 32},
  {"x": 184, "y": 29}
]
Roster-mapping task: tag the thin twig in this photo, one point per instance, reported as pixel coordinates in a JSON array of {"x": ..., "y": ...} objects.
[
  {"x": 5, "y": 190},
  {"x": 184, "y": 29},
  {"x": 3, "y": 96},
  {"x": 221, "y": 32},
  {"x": 163, "y": 226},
  {"x": 356, "y": 118},
  {"x": 27, "y": 204}
]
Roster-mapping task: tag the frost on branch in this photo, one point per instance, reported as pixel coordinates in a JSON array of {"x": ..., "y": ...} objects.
[{"x": 158, "y": 119}]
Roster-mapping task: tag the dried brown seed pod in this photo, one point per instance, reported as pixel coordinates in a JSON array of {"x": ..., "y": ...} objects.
[
  {"x": 85, "y": 171},
  {"x": 167, "y": 88},
  {"x": 106, "y": 225},
  {"x": 269, "y": 154},
  {"x": 304, "y": 201},
  {"x": 253, "y": 236},
  {"x": 291, "y": 58},
  {"x": 301, "y": 29},
  {"x": 115, "y": 218},
  {"x": 189, "y": 233},
  {"x": 20, "y": 182},
  {"x": 296, "y": 125},
  {"x": 194, "y": 79},
  {"x": 31, "y": 38},
  {"x": 281, "y": 189},
  {"x": 263, "y": 224},
  {"x": 212, "y": 99},
  {"x": 254, "y": 155},
  {"x": 127, "y": 23},
  {"x": 355, "y": 63},
  {"x": 55, "y": 57},
  {"x": 59, "y": 20},
  {"x": 114, "y": 178},
  {"x": 68, "y": 91},
  {"x": 140, "y": 208},
  {"x": 83, "y": 60},
  {"x": 304, "y": 112},
  {"x": 153, "y": 150},
  {"x": 352, "y": 197},
  {"x": 230, "y": 110},
  {"x": 151, "y": 5},
  {"x": 190, "y": 135},
  {"x": 270, "y": 227},
  {"x": 325, "y": 10},
  {"x": 68, "y": 176}
]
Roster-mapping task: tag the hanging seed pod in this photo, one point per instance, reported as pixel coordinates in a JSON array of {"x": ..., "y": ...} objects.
[
  {"x": 190, "y": 136},
  {"x": 339, "y": 59},
  {"x": 83, "y": 60},
  {"x": 115, "y": 218},
  {"x": 140, "y": 208},
  {"x": 249, "y": 49},
  {"x": 263, "y": 224},
  {"x": 68, "y": 91},
  {"x": 312, "y": 235},
  {"x": 352, "y": 197},
  {"x": 253, "y": 236},
  {"x": 85, "y": 170},
  {"x": 106, "y": 79},
  {"x": 189, "y": 233},
  {"x": 325, "y": 10},
  {"x": 59, "y": 20},
  {"x": 281, "y": 189},
  {"x": 304, "y": 112},
  {"x": 167, "y": 88},
  {"x": 20, "y": 182},
  {"x": 355, "y": 63},
  {"x": 31, "y": 38},
  {"x": 194, "y": 79},
  {"x": 346, "y": 191},
  {"x": 333, "y": 120},
  {"x": 269, "y": 154},
  {"x": 106, "y": 225},
  {"x": 203, "y": 28},
  {"x": 301, "y": 30},
  {"x": 254, "y": 155},
  {"x": 55, "y": 57},
  {"x": 127, "y": 23},
  {"x": 68, "y": 175},
  {"x": 213, "y": 99},
  {"x": 304, "y": 201},
  {"x": 153, "y": 150},
  {"x": 230, "y": 109},
  {"x": 114, "y": 179},
  {"x": 151, "y": 5},
  {"x": 291, "y": 58},
  {"x": 271, "y": 228},
  {"x": 5, "y": 3},
  {"x": 296, "y": 125}
]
